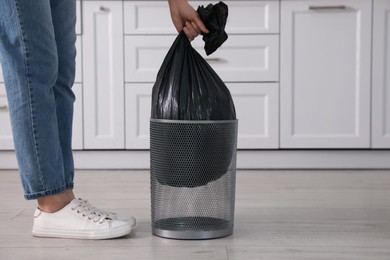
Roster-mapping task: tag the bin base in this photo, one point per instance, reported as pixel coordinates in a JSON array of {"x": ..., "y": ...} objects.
[{"x": 184, "y": 228}]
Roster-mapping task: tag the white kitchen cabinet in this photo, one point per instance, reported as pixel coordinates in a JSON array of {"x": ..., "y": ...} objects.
[
  {"x": 325, "y": 74},
  {"x": 381, "y": 75},
  {"x": 6, "y": 140},
  {"x": 248, "y": 62},
  {"x": 103, "y": 77}
]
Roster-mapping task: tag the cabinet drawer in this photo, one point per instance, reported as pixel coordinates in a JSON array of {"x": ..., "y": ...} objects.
[
  {"x": 137, "y": 18},
  {"x": 259, "y": 100},
  {"x": 249, "y": 17},
  {"x": 6, "y": 141},
  {"x": 240, "y": 58}
]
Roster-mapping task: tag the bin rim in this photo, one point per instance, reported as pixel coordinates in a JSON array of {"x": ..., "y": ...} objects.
[{"x": 170, "y": 121}]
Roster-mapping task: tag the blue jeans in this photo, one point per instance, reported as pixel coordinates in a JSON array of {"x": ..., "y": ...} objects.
[{"x": 37, "y": 54}]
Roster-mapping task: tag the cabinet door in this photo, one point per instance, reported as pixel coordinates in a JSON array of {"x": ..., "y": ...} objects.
[
  {"x": 325, "y": 74},
  {"x": 103, "y": 78},
  {"x": 257, "y": 109},
  {"x": 381, "y": 75},
  {"x": 6, "y": 141},
  {"x": 138, "y": 109}
]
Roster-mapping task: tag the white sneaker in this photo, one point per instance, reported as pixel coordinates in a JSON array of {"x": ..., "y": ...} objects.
[
  {"x": 129, "y": 219},
  {"x": 76, "y": 220}
]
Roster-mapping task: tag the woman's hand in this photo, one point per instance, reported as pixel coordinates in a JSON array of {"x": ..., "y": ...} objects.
[{"x": 185, "y": 18}]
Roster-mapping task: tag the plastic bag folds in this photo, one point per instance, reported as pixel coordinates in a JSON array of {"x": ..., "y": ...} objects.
[
  {"x": 214, "y": 18},
  {"x": 187, "y": 88}
]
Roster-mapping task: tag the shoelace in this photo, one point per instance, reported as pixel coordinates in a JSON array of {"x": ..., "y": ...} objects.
[
  {"x": 95, "y": 209},
  {"x": 87, "y": 210}
]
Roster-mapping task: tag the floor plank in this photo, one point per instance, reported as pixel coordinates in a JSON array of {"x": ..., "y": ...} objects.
[
  {"x": 306, "y": 253},
  {"x": 279, "y": 215}
]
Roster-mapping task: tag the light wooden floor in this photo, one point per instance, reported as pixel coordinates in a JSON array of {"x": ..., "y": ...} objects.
[{"x": 279, "y": 215}]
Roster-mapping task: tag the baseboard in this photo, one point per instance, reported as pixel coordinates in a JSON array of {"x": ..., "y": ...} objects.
[{"x": 246, "y": 159}]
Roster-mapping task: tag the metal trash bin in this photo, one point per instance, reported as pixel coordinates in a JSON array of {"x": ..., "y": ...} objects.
[{"x": 193, "y": 177}]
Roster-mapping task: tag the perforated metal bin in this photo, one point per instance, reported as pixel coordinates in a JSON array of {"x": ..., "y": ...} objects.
[{"x": 193, "y": 177}]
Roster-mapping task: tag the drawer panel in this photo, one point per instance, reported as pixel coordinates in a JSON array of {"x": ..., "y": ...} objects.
[
  {"x": 251, "y": 17},
  {"x": 137, "y": 18},
  {"x": 245, "y": 58},
  {"x": 258, "y": 131},
  {"x": 6, "y": 141},
  {"x": 241, "y": 57},
  {"x": 245, "y": 17}
]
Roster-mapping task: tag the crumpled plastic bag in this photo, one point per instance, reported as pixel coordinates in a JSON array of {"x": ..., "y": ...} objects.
[{"x": 214, "y": 18}]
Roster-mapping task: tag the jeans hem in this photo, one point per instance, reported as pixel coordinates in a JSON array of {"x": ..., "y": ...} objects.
[{"x": 58, "y": 190}]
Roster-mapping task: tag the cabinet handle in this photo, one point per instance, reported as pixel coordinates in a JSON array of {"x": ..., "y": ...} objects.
[
  {"x": 328, "y": 7},
  {"x": 216, "y": 59},
  {"x": 3, "y": 107},
  {"x": 102, "y": 8}
]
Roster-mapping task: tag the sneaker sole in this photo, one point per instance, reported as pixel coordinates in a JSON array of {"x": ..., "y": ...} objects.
[
  {"x": 132, "y": 222},
  {"x": 99, "y": 234}
]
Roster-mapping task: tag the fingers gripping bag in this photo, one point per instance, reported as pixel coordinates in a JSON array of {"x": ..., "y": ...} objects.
[{"x": 187, "y": 88}]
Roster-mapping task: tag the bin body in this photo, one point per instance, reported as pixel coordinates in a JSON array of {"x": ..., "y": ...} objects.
[{"x": 193, "y": 177}]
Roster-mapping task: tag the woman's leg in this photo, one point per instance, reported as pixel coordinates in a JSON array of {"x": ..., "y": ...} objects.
[
  {"x": 29, "y": 58},
  {"x": 64, "y": 23},
  {"x": 63, "y": 14}
]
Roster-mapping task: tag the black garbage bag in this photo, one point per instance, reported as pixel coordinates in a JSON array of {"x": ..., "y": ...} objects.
[{"x": 187, "y": 88}]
